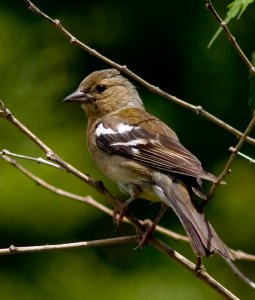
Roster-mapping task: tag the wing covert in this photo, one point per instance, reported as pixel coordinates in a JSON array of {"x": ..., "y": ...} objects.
[{"x": 154, "y": 150}]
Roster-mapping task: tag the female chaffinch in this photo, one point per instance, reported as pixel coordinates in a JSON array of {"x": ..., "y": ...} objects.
[{"x": 144, "y": 156}]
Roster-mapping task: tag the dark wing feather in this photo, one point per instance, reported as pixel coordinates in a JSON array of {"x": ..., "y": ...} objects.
[{"x": 154, "y": 150}]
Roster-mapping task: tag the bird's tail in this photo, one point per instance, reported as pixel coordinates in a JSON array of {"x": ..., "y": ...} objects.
[{"x": 203, "y": 238}]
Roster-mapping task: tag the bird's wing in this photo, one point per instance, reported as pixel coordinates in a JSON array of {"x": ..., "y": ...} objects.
[{"x": 148, "y": 144}]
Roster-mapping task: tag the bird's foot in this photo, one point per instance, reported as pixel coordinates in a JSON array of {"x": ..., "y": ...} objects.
[
  {"x": 118, "y": 214},
  {"x": 199, "y": 266},
  {"x": 149, "y": 229}
]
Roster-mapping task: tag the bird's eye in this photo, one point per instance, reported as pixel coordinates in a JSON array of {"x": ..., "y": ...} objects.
[{"x": 100, "y": 88}]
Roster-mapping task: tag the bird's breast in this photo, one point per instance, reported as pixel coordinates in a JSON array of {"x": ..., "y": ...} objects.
[{"x": 123, "y": 170}]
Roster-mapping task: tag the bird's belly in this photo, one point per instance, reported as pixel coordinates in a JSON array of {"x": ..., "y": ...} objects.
[{"x": 124, "y": 171}]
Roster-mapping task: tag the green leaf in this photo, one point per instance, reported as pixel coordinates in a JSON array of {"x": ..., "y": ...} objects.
[{"x": 236, "y": 9}]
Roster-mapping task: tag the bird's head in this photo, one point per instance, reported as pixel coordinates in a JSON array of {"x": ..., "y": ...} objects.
[{"x": 103, "y": 92}]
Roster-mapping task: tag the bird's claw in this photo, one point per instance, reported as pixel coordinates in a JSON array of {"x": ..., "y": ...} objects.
[
  {"x": 199, "y": 266},
  {"x": 118, "y": 215},
  {"x": 149, "y": 228}
]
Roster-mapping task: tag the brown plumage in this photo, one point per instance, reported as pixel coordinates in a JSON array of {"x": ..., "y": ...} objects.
[{"x": 143, "y": 155}]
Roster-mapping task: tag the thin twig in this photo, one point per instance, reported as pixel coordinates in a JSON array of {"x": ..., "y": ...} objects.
[
  {"x": 106, "y": 242},
  {"x": 231, "y": 158},
  {"x": 237, "y": 254},
  {"x": 239, "y": 274},
  {"x": 243, "y": 255},
  {"x": 250, "y": 160},
  {"x": 68, "y": 246},
  {"x": 123, "y": 68},
  {"x": 202, "y": 274},
  {"x": 39, "y": 160},
  {"x": 97, "y": 185},
  {"x": 85, "y": 199},
  {"x": 231, "y": 38}
]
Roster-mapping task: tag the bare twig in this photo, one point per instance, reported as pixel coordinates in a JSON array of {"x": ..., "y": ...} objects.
[
  {"x": 239, "y": 274},
  {"x": 232, "y": 158},
  {"x": 85, "y": 199},
  {"x": 192, "y": 267},
  {"x": 89, "y": 200},
  {"x": 196, "y": 109},
  {"x": 203, "y": 275},
  {"x": 68, "y": 246},
  {"x": 237, "y": 254},
  {"x": 231, "y": 38},
  {"x": 243, "y": 255},
  {"x": 39, "y": 160},
  {"x": 97, "y": 185},
  {"x": 250, "y": 160}
]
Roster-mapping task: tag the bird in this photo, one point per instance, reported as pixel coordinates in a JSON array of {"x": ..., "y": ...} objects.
[{"x": 144, "y": 156}]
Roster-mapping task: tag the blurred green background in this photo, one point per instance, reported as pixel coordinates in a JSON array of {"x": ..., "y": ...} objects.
[{"x": 165, "y": 43}]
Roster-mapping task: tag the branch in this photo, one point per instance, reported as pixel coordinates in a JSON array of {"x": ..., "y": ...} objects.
[
  {"x": 251, "y": 160},
  {"x": 196, "y": 109},
  {"x": 201, "y": 274},
  {"x": 231, "y": 38},
  {"x": 237, "y": 254},
  {"x": 68, "y": 246},
  {"x": 239, "y": 274},
  {"x": 98, "y": 186},
  {"x": 39, "y": 160},
  {"x": 242, "y": 255},
  {"x": 231, "y": 158},
  {"x": 87, "y": 199}
]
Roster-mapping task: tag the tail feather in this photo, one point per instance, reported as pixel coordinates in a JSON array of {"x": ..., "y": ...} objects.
[{"x": 204, "y": 240}]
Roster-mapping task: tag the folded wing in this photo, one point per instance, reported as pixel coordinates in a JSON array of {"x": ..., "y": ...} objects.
[{"x": 155, "y": 150}]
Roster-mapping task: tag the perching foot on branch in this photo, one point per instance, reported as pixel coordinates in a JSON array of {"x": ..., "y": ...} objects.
[
  {"x": 119, "y": 213},
  {"x": 151, "y": 227}
]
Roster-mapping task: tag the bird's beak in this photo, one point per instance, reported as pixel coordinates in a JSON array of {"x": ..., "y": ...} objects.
[{"x": 78, "y": 97}]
